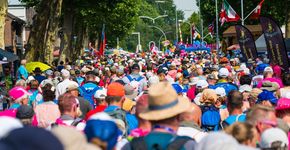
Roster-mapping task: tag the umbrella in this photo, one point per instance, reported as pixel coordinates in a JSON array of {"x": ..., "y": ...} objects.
[
  {"x": 11, "y": 57},
  {"x": 3, "y": 62},
  {"x": 32, "y": 65}
]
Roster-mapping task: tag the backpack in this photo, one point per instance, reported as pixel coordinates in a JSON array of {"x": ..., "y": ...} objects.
[
  {"x": 60, "y": 122},
  {"x": 89, "y": 94},
  {"x": 232, "y": 119},
  {"x": 120, "y": 114},
  {"x": 210, "y": 119},
  {"x": 176, "y": 143},
  {"x": 134, "y": 82}
]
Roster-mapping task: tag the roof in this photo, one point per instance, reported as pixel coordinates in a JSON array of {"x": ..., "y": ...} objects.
[
  {"x": 231, "y": 31},
  {"x": 15, "y": 18}
]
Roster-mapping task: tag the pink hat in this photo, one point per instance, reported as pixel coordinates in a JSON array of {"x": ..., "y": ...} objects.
[
  {"x": 18, "y": 93},
  {"x": 283, "y": 103}
]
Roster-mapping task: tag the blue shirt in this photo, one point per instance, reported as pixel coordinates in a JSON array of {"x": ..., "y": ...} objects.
[
  {"x": 22, "y": 72},
  {"x": 227, "y": 86},
  {"x": 235, "y": 118},
  {"x": 39, "y": 78}
]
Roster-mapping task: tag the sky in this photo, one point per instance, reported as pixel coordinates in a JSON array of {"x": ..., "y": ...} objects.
[{"x": 186, "y": 5}]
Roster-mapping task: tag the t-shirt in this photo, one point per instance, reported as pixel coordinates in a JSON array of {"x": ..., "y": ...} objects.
[{"x": 22, "y": 72}]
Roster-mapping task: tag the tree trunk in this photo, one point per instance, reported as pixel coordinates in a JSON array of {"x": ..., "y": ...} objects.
[
  {"x": 43, "y": 32},
  {"x": 3, "y": 11}
]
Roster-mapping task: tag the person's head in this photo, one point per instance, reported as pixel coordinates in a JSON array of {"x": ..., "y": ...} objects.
[
  {"x": 262, "y": 117},
  {"x": 221, "y": 97},
  {"x": 25, "y": 114},
  {"x": 245, "y": 79},
  {"x": 23, "y": 62},
  {"x": 90, "y": 76},
  {"x": 268, "y": 72},
  {"x": 115, "y": 94},
  {"x": 68, "y": 105},
  {"x": 34, "y": 84},
  {"x": 274, "y": 139},
  {"x": 211, "y": 79},
  {"x": 244, "y": 133},
  {"x": 65, "y": 74},
  {"x": 21, "y": 83},
  {"x": 193, "y": 114},
  {"x": 286, "y": 79},
  {"x": 162, "y": 72},
  {"x": 223, "y": 73},
  {"x": 49, "y": 73},
  {"x": 37, "y": 71},
  {"x": 235, "y": 101},
  {"x": 48, "y": 95},
  {"x": 267, "y": 98},
  {"x": 19, "y": 95},
  {"x": 208, "y": 97},
  {"x": 199, "y": 70},
  {"x": 283, "y": 109},
  {"x": 165, "y": 105},
  {"x": 61, "y": 63},
  {"x": 100, "y": 97},
  {"x": 135, "y": 69},
  {"x": 102, "y": 132},
  {"x": 201, "y": 85}
]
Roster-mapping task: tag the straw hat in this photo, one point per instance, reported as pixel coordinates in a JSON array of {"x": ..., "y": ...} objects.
[{"x": 164, "y": 103}]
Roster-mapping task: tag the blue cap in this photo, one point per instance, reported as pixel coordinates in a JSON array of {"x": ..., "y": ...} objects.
[{"x": 267, "y": 96}]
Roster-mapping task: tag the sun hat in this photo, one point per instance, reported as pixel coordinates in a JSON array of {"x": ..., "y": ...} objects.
[
  {"x": 267, "y": 96},
  {"x": 130, "y": 92},
  {"x": 164, "y": 102},
  {"x": 224, "y": 72},
  {"x": 201, "y": 84},
  {"x": 208, "y": 96},
  {"x": 71, "y": 87},
  {"x": 115, "y": 89},
  {"x": 270, "y": 86},
  {"x": 245, "y": 88},
  {"x": 272, "y": 135},
  {"x": 283, "y": 103},
  {"x": 18, "y": 93},
  {"x": 101, "y": 93},
  {"x": 220, "y": 92},
  {"x": 24, "y": 112},
  {"x": 105, "y": 130},
  {"x": 65, "y": 73},
  {"x": 8, "y": 124},
  {"x": 268, "y": 69},
  {"x": 193, "y": 81},
  {"x": 72, "y": 139},
  {"x": 49, "y": 72}
]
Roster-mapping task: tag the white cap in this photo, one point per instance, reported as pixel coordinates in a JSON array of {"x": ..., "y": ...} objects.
[
  {"x": 245, "y": 88},
  {"x": 8, "y": 124},
  {"x": 224, "y": 72},
  {"x": 201, "y": 84},
  {"x": 272, "y": 135},
  {"x": 101, "y": 93},
  {"x": 65, "y": 73},
  {"x": 193, "y": 80},
  {"x": 153, "y": 80},
  {"x": 268, "y": 69},
  {"x": 220, "y": 91}
]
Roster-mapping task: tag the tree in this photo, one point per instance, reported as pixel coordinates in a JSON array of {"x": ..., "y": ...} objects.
[{"x": 3, "y": 11}]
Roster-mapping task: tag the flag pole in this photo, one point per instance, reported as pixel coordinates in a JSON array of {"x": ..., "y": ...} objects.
[
  {"x": 242, "y": 12},
  {"x": 251, "y": 12},
  {"x": 217, "y": 28}
]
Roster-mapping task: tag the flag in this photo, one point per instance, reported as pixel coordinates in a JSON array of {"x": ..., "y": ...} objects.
[
  {"x": 103, "y": 42},
  {"x": 228, "y": 14},
  {"x": 257, "y": 11}
]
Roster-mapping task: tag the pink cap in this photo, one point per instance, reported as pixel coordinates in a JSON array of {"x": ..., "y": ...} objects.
[
  {"x": 283, "y": 103},
  {"x": 18, "y": 92}
]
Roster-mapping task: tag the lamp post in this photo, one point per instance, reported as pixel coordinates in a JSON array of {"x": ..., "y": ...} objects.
[
  {"x": 159, "y": 30},
  {"x": 153, "y": 19},
  {"x": 190, "y": 26},
  {"x": 139, "y": 47}
]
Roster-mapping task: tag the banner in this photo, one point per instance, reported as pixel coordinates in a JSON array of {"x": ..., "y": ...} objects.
[
  {"x": 246, "y": 42},
  {"x": 275, "y": 43}
]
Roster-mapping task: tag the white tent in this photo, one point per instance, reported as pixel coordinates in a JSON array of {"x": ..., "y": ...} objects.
[{"x": 261, "y": 44}]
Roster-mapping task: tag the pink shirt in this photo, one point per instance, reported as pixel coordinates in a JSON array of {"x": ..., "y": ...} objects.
[
  {"x": 278, "y": 81},
  {"x": 46, "y": 114}
]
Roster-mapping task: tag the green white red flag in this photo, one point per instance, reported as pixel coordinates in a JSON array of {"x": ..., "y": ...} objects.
[
  {"x": 257, "y": 11},
  {"x": 228, "y": 14}
]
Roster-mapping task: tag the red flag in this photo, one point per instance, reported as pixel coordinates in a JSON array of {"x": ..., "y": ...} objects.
[
  {"x": 103, "y": 42},
  {"x": 257, "y": 11}
]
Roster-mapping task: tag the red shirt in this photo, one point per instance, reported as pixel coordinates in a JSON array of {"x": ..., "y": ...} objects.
[{"x": 98, "y": 109}]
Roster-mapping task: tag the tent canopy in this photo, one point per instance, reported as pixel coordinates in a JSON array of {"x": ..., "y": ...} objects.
[
  {"x": 261, "y": 44},
  {"x": 8, "y": 56}
]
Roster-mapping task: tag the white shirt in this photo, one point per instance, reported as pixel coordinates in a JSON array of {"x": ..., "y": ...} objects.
[
  {"x": 191, "y": 132},
  {"x": 62, "y": 86}
]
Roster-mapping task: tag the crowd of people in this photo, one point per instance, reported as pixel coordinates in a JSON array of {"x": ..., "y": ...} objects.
[{"x": 147, "y": 101}]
